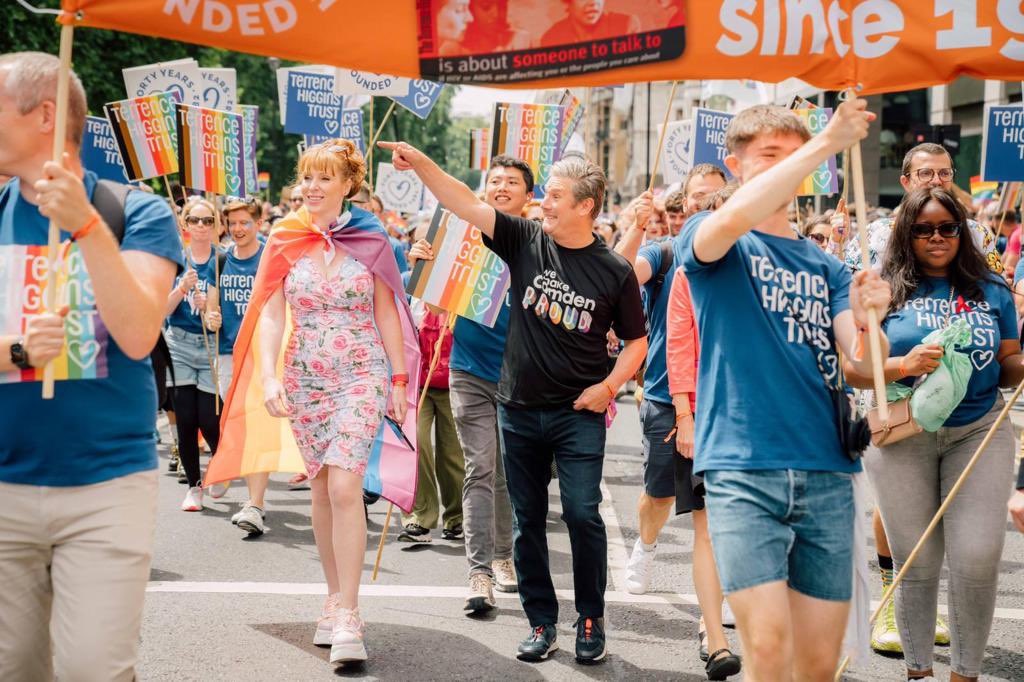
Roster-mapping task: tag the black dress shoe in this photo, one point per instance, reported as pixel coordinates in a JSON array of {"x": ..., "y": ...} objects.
[
  {"x": 590, "y": 646},
  {"x": 539, "y": 645}
]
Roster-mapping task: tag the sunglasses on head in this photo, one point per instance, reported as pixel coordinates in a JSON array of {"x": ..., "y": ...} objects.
[
  {"x": 208, "y": 221},
  {"x": 817, "y": 236},
  {"x": 927, "y": 230}
]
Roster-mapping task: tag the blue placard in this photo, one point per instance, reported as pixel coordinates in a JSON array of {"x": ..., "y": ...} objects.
[
  {"x": 99, "y": 150},
  {"x": 312, "y": 107},
  {"x": 351, "y": 129},
  {"x": 422, "y": 97},
  {"x": 709, "y": 138},
  {"x": 1002, "y": 157}
]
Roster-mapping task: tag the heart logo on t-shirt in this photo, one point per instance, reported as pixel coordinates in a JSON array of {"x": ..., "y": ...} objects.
[
  {"x": 982, "y": 358},
  {"x": 83, "y": 353}
]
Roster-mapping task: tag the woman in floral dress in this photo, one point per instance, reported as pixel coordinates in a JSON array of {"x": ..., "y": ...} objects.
[{"x": 346, "y": 340}]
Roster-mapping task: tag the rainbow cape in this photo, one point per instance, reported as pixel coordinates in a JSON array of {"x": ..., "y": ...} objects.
[{"x": 251, "y": 440}]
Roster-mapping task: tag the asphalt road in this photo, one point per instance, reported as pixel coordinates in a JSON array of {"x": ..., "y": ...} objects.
[{"x": 223, "y": 607}]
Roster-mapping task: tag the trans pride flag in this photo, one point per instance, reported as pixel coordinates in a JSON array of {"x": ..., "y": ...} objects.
[{"x": 251, "y": 440}]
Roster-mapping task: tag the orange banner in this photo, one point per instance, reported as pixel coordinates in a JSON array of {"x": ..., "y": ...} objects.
[{"x": 883, "y": 45}]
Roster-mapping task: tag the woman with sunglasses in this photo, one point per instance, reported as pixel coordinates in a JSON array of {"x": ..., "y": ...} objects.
[
  {"x": 192, "y": 304},
  {"x": 938, "y": 275}
]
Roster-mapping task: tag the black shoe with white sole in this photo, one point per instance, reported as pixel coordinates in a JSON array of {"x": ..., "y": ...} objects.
[
  {"x": 590, "y": 647},
  {"x": 414, "y": 533},
  {"x": 541, "y": 643}
]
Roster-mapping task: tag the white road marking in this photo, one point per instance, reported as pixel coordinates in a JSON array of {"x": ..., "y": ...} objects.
[
  {"x": 445, "y": 592},
  {"x": 617, "y": 554}
]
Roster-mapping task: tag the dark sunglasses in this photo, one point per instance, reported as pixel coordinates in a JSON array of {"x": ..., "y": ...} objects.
[
  {"x": 820, "y": 238},
  {"x": 208, "y": 221},
  {"x": 927, "y": 230}
]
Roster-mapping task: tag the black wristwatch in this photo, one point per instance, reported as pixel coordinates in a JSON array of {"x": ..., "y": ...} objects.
[{"x": 18, "y": 355}]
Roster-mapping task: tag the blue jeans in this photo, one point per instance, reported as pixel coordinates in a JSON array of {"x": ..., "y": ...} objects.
[
  {"x": 789, "y": 525},
  {"x": 530, "y": 439}
]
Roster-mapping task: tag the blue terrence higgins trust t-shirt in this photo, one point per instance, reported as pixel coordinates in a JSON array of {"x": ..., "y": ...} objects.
[
  {"x": 656, "y": 374},
  {"x": 186, "y": 315},
  {"x": 764, "y": 317},
  {"x": 234, "y": 291},
  {"x": 99, "y": 425},
  {"x": 478, "y": 349},
  {"x": 993, "y": 319}
]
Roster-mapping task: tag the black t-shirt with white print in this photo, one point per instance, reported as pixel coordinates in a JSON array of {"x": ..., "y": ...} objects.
[{"x": 563, "y": 303}]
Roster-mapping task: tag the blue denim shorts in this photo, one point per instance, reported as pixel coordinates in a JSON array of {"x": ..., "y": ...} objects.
[
  {"x": 190, "y": 360},
  {"x": 795, "y": 526}
]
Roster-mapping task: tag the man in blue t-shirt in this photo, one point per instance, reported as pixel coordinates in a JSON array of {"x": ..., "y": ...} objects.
[
  {"x": 772, "y": 311},
  {"x": 243, "y": 219},
  {"x": 77, "y": 472},
  {"x": 475, "y": 369}
]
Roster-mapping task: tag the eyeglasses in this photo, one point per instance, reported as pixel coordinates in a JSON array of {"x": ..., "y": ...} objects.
[
  {"x": 817, "y": 236},
  {"x": 927, "y": 174},
  {"x": 208, "y": 221},
  {"x": 298, "y": 199},
  {"x": 927, "y": 230}
]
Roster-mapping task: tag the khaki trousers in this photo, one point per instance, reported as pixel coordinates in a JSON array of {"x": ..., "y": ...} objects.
[{"x": 74, "y": 563}]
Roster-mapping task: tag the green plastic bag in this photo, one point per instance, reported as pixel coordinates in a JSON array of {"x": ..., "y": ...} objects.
[{"x": 937, "y": 396}]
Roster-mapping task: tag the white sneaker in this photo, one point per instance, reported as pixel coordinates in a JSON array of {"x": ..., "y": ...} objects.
[
  {"x": 325, "y": 624},
  {"x": 347, "y": 643},
  {"x": 638, "y": 570},
  {"x": 505, "y": 575},
  {"x": 251, "y": 520},
  {"x": 193, "y": 500},
  {"x": 728, "y": 619},
  {"x": 238, "y": 514}
]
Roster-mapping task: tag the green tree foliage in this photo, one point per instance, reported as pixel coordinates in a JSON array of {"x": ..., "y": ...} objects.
[{"x": 99, "y": 56}]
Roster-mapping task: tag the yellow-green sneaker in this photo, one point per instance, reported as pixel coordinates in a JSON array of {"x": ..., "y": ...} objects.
[
  {"x": 941, "y": 632},
  {"x": 885, "y": 638}
]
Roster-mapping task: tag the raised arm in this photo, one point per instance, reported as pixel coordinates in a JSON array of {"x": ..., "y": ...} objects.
[
  {"x": 633, "y": 233},
  {"x": 761, "y": 196},
  {"x": 450, "y": 193}
]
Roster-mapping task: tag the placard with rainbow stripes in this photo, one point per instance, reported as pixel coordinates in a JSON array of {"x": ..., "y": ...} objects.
[
  {"x": 465, "y": 277},
  {"x": 479, "y": 146},
  {"x": 146, "y": 135},
  {"x": 531, "y": 132},
  {"x": 23, "y": 282},
  {"x": 211, "y": 150},
  {"x": 572, "y": 112},
  {"x": 824, "y": 180}
]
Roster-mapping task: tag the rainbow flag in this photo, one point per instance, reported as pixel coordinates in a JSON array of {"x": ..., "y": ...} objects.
[
  {"x": 465, "y": 277},
  {"x": 825, "y": 179},
  {"x": 146, "y": 135},
  {"x": 264, "y": 179},
  {"x": 211, "y": 150},
  {"x": 531, "y": 132},
  {"x": 982, "y": 192},
  {"x": 23, "y": 274},
  {"x": 479, "y": 146}
]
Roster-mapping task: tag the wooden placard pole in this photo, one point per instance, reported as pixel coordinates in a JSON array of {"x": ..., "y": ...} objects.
[
  {"x": 215, "y": 367},
  {"x": 449, "y": 325},
  {"x": 874, "y": 328},
  {"x": 60, "y": 128},
  {"x": 661, "y": 136}
]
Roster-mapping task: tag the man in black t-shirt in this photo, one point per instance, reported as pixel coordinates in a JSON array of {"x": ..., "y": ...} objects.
[{"x": 568, "y": 289}]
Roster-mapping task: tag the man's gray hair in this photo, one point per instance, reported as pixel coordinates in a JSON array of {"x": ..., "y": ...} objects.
[
  {"x": 588, "y": 180},
  {"x": 31, "y": 79}
]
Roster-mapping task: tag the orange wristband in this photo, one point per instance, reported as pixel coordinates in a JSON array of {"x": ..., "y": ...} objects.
[
  {"x": 903, "y": 367},
  {"x": 87, "y": 228}
]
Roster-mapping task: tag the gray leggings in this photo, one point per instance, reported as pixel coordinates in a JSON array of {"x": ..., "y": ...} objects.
[{"x": 911, "y": 479}]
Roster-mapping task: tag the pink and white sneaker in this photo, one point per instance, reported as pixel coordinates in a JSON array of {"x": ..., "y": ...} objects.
[
  {"x": 347, "y": 644},
  {"x": 325, "y": 624}
]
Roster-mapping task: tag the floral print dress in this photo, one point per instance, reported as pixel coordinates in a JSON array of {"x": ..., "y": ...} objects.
[{"x": 336, "y": 370}]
